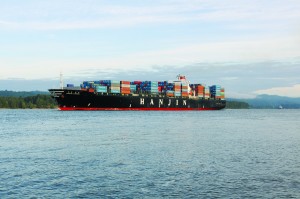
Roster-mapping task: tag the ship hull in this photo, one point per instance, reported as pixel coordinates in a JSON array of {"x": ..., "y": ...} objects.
[{"x": 69, "y": 100}]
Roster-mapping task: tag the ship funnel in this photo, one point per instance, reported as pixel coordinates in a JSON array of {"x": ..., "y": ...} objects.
[{"x": 181, "y": 77}]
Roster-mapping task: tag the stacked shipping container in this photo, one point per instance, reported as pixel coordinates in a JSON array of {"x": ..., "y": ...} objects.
[
  {"x": 177, "y": 90},
  {"x": 197, "y": 90},
  {"x": 184, "y": 89},
  {"x": 206, "y": 92},
  {"x": 101, "y": 89},
  {"x": 222, "y": 96},
  {"x": 154, "y": 87},
  {"x": 215, "y": 91},
  {"x": 125, "y": 87},
  {"x": 115, "y": 86},
  {"x": 170, "y": 89},
  {"x": 132, "y": 87},
  {"x": 200, "y": 91}
]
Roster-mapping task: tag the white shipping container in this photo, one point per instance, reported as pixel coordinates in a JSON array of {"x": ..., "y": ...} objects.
[
  {"x": 125, "y": 85},
  {"x": 114, "y": 88}
]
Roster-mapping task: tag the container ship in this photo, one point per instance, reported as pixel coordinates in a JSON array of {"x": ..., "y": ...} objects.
[{"x": 178, "y": 95}]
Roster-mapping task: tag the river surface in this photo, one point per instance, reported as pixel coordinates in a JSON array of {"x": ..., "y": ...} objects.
[{"x": 197, "y": 154}]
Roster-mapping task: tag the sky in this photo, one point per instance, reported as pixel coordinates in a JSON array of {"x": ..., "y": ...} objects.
[{"x": 250, "y": 47}]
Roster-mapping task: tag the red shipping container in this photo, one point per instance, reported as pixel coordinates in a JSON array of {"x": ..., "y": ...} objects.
[
  {"x": 125, "y": 82},
  {"x": 184, "y": 87},
  {"x": 200, "y": 89},
  {"x": 137, "y": 82},
  {"x": 125, "y": 89}
]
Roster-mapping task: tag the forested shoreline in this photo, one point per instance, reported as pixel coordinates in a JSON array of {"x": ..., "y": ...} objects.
[
  {"x": 30, "y": 102},
  {"x": 237, "y": 105}
]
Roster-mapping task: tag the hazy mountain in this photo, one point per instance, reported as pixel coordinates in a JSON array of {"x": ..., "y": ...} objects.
[
  {"x": 22, "y": 93},
  {"x": 271, "y": 101}
]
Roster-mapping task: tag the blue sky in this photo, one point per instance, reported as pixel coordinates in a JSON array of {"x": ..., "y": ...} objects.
[{"x": 250, "y": 47}]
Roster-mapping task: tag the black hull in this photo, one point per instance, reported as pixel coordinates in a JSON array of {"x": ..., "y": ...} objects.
[{"x": 83, "y": 100}]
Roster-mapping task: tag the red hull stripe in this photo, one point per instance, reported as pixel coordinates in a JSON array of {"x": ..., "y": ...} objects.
[{"x": 133, "y": 109}]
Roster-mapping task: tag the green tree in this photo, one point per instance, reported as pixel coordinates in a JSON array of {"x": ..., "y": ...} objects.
[
  {"x": 236, "y": 105},
  {"x": 12, "y": 102}
]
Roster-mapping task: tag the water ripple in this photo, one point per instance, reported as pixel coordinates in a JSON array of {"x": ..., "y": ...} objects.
[{"x": 213, "y": 154}]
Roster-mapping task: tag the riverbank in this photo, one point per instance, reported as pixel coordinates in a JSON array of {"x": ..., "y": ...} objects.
[{"x": 30, "y": 102}]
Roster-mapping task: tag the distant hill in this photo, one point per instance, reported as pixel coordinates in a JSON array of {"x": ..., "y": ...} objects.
[
  {"x": 271, "y": 102},
  {"x": 22, "y": 93},
  {"x": 231, "y": 104}
]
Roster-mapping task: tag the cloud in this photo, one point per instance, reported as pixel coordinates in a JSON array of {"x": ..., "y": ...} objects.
[
  {"x": 237, "y": 52},
  {"x": 229, "y": 78},
  {"x": 240, "y": 80},
  {"x": 244, "y": 45},
  {"x": 94, "y": 14},
  {"x": 293, "y": 91},
  {"x": 239, "y": 95}
]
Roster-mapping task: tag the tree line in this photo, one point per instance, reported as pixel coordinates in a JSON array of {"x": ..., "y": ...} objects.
[
  {"x": 237, "y": 105},
  {"x": 6, "y": 93},
  {"x": 31, "y": 102}
]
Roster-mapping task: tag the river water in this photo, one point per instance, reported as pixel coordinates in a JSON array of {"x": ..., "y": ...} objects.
[{"x": 111, "y": 154}]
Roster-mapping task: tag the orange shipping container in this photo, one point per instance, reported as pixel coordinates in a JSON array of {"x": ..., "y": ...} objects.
[
  {"x": 200, "y": 88},
  {"x": 125, "y": 92},
  {"x": 125, "y": 82}
]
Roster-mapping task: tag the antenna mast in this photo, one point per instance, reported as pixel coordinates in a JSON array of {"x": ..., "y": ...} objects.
[{"x": 61, "y": 81}]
